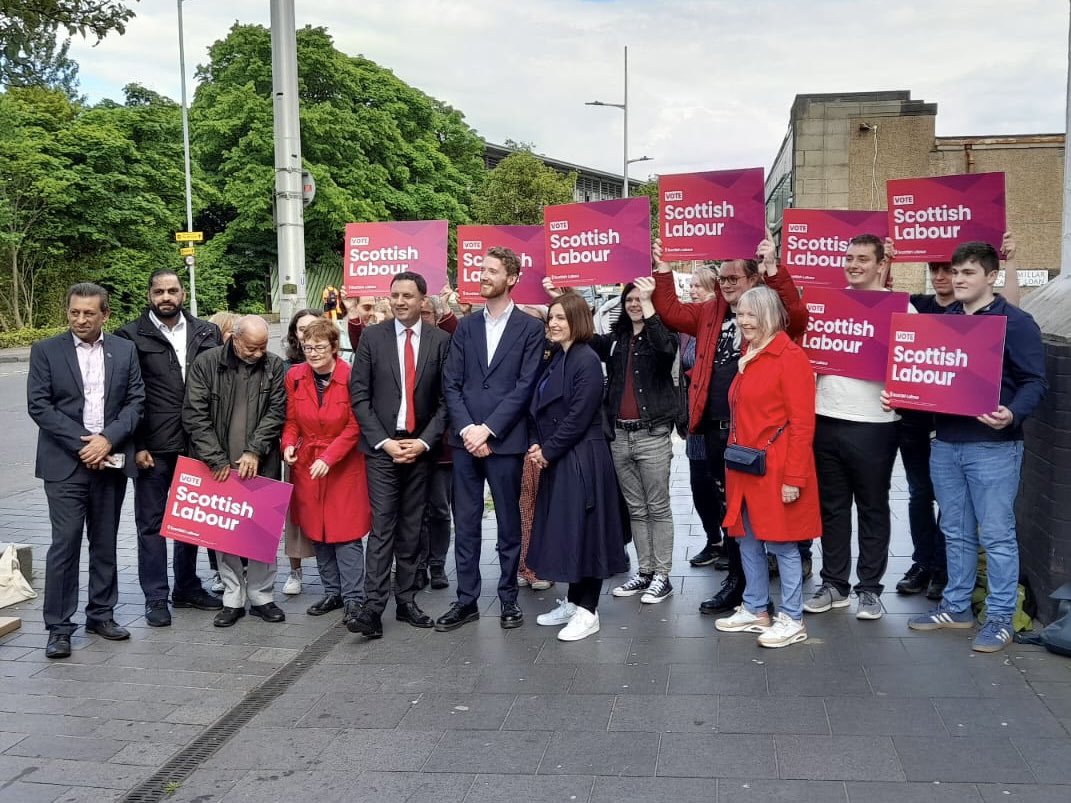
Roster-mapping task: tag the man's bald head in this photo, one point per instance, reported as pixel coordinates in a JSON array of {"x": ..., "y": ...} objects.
[{"x": 250, "y": 338}]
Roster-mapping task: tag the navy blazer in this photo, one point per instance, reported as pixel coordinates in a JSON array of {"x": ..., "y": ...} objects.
[
  {"x": 568, "y": 408},
  {"x": 497, "y": 394},
  {"x": 55, "y": 399}
]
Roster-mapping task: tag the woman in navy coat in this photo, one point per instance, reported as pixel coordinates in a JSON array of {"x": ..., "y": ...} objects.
[{"x": 576, "y": 535}]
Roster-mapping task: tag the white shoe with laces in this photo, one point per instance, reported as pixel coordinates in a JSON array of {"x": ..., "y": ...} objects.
[
  {"x": 217, "y": 583},
  {"x": 784, "y": 631},
  {"x": 559, "y": 616},
  {"x": 292, "y": 585},
  {"x": 583, "y": 624}
]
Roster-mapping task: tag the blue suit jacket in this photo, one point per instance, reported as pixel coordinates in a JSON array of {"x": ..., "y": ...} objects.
[
  {"x": 497, "y": 394},
  {"x": 55, "y": 400}
]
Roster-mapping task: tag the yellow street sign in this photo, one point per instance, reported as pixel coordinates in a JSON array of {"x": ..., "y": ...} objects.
[
  {"x": 189, "y": 236},
  {"x": 188, "y": 251}
]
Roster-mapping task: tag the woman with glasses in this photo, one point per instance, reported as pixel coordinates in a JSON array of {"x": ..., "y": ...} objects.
[{"x": 330, "y": 498}]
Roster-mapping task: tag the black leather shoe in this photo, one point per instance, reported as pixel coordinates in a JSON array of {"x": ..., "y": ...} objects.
[
  {"x": 410, "y": 612},
  {"x": 269, "y": 612},
  {"x": 731, "y": 595},
  {"x": 353, "y": 607},
  {"x": 915, "y": 581},
  {"x": 157, "y": 613},
  {"x": 721, "y": 563},
  {"x": 368, "y": 623},
  {"x": 420, "y": 581},
  {"x": 936, "y": 588},
  {"x": 228, "y": 616},
  {"x": 512, "y": 616},
  {"x": 332, "y": 602},
  {"x": 108, "y": 629},
  {"x": 199, "y": 599},
  {"x": 59, "y": 645},
  {"x": 457, "y": 615},
  {"x": 706, "y": 556},
  {"x": 438, "y": 578}
]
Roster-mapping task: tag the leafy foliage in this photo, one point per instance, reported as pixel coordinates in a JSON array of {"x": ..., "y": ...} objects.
[{"x": 516, "y": 191}]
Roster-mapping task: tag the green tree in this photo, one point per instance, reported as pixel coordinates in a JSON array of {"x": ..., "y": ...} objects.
[
  {"x": 378, "y": 149},
  {"x": 516, "y": 191}
]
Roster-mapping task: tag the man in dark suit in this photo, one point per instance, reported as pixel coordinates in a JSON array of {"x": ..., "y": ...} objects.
[
  {"x": 168, "y": 340},
  {"x": 397, "y": 396},
  {"x": 495, "y": 358},
  {"x": 85, "y": 393}
]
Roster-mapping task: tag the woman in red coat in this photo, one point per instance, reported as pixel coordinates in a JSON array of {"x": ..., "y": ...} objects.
[
  {"x": 772, "y": 405},
  {"x": 330, "y": 499}
]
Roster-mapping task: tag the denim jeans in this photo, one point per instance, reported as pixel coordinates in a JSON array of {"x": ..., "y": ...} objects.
[
  {"x": 926, "y": 537},
  {"x": 789, "y": 566},
  {"x": 976, "y": 485},
  {"x": 342, "y": 569},
  {"x": 642, "y": 460}
]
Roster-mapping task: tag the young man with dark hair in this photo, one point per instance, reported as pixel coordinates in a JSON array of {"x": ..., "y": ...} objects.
[{"x": 975, "y": 462}]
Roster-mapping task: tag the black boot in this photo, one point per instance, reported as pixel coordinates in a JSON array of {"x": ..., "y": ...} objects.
[{"x": 730, "y": 595}]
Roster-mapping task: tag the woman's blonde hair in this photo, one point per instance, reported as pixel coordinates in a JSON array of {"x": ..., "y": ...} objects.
[{"x": 766, "y": 306}]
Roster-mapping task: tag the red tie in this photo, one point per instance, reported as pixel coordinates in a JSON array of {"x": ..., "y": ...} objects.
[{"x": 410, "y": 384}]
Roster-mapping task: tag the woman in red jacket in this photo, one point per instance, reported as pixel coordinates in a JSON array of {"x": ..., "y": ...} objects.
[
  {"x": 330, "y": 499},
  {"x": 772, "y": 405}
]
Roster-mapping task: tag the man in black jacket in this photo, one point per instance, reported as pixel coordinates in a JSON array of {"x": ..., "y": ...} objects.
[{"x": 167, "y": 340}]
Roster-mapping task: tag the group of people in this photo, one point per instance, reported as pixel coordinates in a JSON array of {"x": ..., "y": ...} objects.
[{"x": 571, "y": 431}]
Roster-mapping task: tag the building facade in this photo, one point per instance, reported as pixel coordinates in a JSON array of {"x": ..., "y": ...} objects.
[{"x": 591, "y": 185}]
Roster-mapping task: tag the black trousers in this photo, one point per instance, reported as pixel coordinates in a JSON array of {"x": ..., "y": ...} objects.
[
  {"x": 435, "y": 536},
  {"x": 585, "y": 592},
  {"x": 399, "y": 494},
  {"x": 88, "y": 500},
  {"x": 150, "y": 497},
  {"x": 926, "y": 535},
  {"x": 706, "y": 505},
  {"x": 854, "y": 462}
]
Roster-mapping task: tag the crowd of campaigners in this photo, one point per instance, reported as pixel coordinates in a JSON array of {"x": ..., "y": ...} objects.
[{"x": 571, "y": 430}]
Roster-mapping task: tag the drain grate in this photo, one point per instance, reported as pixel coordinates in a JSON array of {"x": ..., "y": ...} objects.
[{"x": 180, "y": 766}]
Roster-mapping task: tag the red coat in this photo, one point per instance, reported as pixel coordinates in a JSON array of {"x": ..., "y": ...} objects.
[
  {"x": 775, "y": 387},
  {"x": 333, "y": 509},
  {"x": 703, "y": 322}
]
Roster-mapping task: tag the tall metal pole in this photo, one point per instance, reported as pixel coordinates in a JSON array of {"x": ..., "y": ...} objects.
[
  {"x": 290, "y": 218},
  {"x": 186, "y": 158},
  {"x": 1065, "y": 233},
  {"x": 624, "y": 108}
]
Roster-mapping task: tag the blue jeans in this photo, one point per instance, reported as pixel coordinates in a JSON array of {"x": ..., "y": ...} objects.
[
  {"x": 757, "y": 573},
  {"x": 976, "y": 485},
  {"x": 342, "y": 569}
]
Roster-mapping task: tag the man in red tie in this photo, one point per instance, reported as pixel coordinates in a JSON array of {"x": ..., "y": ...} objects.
[{"x": 397, "y": 396}]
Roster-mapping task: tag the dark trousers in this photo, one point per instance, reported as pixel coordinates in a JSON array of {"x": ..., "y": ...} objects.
[
  {"x": 584, "y": 593},
  {"x": 716, "y": 439},
  {"x": 398, "y": 493},
  {"x": 150, "y": 497},
  {"x": 435, "y": 536},
  {"x": 503, "y": 473},
  {"x": 89, "y": 500},
  {"x": 706, "y": 506},
  {"x": 926, "y": 535},
  {"x": 854, "y": 462}
]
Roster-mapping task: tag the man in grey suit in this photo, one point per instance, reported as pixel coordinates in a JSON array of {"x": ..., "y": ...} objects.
[
  {"x": 397, "y": 395},
  {"x": 84, "y": 392}
]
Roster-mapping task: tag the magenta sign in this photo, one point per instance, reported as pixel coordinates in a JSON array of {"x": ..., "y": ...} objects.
[
  {"x": 603, "y": 242},
  {"x": 525, "y": 241},
  {"x": 715, "y": 215},
  {"x": 848, "y": 331},
  {"x": 946, "y": 363},
  {"x": 375, "y": 252},
  {"x": 239, "y": 517},
  {"x": 814, "y": 241}
]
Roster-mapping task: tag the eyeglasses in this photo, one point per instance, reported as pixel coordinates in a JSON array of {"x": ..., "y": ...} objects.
[
  {"x": 317, "y": 349},
  {"x": 730, "y": 280}
]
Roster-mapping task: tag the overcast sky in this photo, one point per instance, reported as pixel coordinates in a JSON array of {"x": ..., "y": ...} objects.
[{"x": 710, "y": 81}]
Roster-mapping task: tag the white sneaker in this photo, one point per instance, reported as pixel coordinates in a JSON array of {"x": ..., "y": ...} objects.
[
  {"x": 541, "y": 585},
  {"x": 217, "y": 583},
  {"x": 583, "y": 624},
  {"x": 521, "y": 582},
  {"x": 559, "y": 616},
  {"x": 784, "y": 631},
  {"x": 293, "y": 583},
  {"x": 743, "y": 621}
]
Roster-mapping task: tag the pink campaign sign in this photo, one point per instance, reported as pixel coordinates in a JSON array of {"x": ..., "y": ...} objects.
[
  {"x": 375, "y": 252},
  {"x": 848, "y": 332},
  {"x": 239, "y": 517},
  {"x": 604, "y": 242},
  {"x": 525, "y": 241},
  {"x": 946, "y": 363},
  {"x": 813, "y": 242},
  {"x": 715, "y": 215},
  {"x": 929, "y": 217}
]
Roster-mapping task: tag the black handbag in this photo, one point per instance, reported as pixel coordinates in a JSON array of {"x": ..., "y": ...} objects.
[{"x": 746, "y": 459}]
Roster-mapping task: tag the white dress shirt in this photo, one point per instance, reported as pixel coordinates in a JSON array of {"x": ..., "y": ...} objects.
[
  {"x": 91, "y": 366},
  {"x": 403, "y": 408},
  {"x": 176, "y": 337},
  {"x": 494, "y": 328}
]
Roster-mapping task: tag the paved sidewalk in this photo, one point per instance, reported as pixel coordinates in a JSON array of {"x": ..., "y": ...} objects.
[{"x": 658, "y": 706}]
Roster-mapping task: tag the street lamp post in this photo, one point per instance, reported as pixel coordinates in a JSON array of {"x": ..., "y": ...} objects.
[
  {"x": 623, "y": 106},
  {"x": 186, "y": 158}
]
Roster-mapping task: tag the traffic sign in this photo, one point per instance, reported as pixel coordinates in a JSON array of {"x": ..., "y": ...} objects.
[
  {"x": 308, "y": 188},
  {"x": 189, "y": 236},
  {"x": 188, "y": 251},
  {"x": 189, "y": 260}
]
